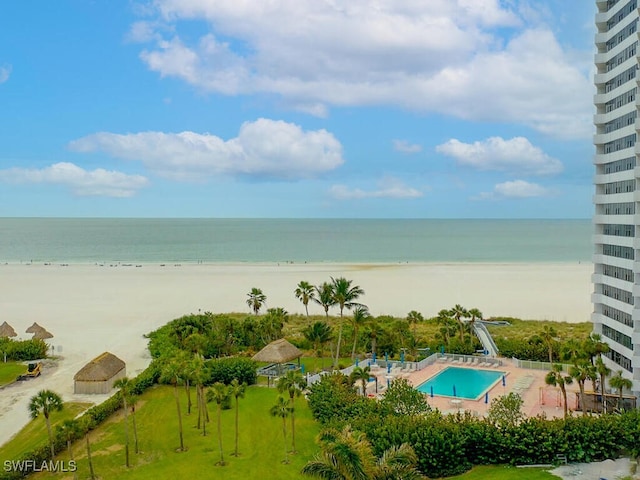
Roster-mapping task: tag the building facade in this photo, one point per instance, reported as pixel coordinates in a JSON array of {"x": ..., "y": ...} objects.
[{"x": 616, "y": 278}]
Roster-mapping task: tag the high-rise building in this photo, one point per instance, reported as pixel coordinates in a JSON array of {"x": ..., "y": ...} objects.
[{"x": 616, "y": 278}]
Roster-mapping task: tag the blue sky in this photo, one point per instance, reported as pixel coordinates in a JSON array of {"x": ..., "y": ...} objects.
[{"x": 297, "y": 108}]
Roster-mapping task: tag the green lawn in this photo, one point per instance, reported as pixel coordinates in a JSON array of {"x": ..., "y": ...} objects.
[
  {"x": 505, "y": 473},
  {"x": 35, "y": 433},
  {"x": 261, "y": 442},
  {"x": 10, "y": 370}
]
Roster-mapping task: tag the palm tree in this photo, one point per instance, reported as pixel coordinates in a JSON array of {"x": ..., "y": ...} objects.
[
  {"x": 581, "y": 372},
  {"x": 414, "y": 317},
  {"x": 325, "y": 297},
  {"x": 347, "y": 455},
  {"x": 237, "y": 390},
  {"x": 572, "y": 351},
  {"x": 595, "y": 347},
  {"x": 361, "y": 374},
  {"x": 133, "y": 400},
  {"x": 620, "y": 382},
  {"x": 172, "y": 374},
  {"x": 459, "y": 312},
  {"x": 318, "y": 333},
  {"x": 256, "y": 300},
  {"x": 70, "y": 430},
  {"x": 360, "y": 316},
  {"x": 475, "y": 315},
  {"x": 293, "y": 383},
  {"x": 604, "y": 372},
  {"x": 45, "y": 402},
  {"x": 219, "y": 393},
  {"x": 86, "y": 425},
  {"x": 556, "y": 378},
  {"x": 283, "y": 409},
  {"x": 123, "y": 384},
  {"x": 305, "y": 292},
  {"x": 344, "y": 296},
  {"x": 548, "y": 336}
]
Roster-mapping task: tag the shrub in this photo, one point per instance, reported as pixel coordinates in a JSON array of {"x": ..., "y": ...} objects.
[{"x": 224, "y": 370}]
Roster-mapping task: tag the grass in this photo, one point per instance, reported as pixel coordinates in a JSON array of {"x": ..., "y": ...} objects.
[
  {"x": 9, "y": 371},
  {"x": 523, "y": 329},
  {"x": 500, "y": 472},
  {"x": 261, "y": 442},
  {"x": 34, "y": 433}
]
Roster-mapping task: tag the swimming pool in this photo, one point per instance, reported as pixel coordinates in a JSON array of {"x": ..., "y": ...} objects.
[{"x": 469, "y": 383}]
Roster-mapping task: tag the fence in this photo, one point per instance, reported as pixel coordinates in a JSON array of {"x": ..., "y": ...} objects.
[{"x": 534, "y": 365}]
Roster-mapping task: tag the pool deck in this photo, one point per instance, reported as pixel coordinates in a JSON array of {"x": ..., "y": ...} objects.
[{"x": 538, "y": 397}]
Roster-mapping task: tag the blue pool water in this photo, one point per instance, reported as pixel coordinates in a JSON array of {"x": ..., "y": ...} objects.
[{"x": 458, "y": 382}]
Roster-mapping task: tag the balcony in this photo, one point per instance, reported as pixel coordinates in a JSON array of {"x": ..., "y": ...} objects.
[
  {"x": 601, "y": 38},
  {"x": 601, "y": 20}
]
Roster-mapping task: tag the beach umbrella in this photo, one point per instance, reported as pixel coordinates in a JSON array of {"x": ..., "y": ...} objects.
[
  {"x": 388, "y": 367},
  {"x": 504, "y": 381},
  {"x": 402, "y": 358},
  {"x": 454, "y": 391},
  {"x": 7, "y": 330},
  {"x": 34, "y": 328},
  {"x": 442, "y": 349},
  {"x": 486, "y": 397},
  {"x": 374, "y": 357},
  {"x": 386, "y": 357},
  {"x": 431, "y": 391},
  {"x": 356, "y": 361}
]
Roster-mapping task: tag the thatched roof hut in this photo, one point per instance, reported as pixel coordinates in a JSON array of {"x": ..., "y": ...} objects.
[
  {"x": 34, "y": 328},
  {"x": 99, "y": 375},
  {"x": 42, "y": 334},
  {"x": 7, "y": 330},
  {"x": 278, "y": 351}
]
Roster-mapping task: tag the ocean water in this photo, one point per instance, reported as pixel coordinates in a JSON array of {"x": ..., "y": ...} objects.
[{"x": 89, "y": 240}]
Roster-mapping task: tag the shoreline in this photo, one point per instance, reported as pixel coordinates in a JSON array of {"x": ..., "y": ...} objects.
[{"x": 91, "y": 309}]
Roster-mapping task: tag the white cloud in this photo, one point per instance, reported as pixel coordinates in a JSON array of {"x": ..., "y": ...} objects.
[
  {"x": 406, "y": 147},
  {"x": 516, "y": 155},
  {"x": 264, "y": 148},
  {"x": 515, "y": 189},
  {"x": 388, "y": 188},
  {"x": 82, "y": 182},
  {"x": 5, "y": 71},
  {"x": 438, "y": 56}
]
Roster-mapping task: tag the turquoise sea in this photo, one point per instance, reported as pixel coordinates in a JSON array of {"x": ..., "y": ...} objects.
[{"x": 83, "y": 240}]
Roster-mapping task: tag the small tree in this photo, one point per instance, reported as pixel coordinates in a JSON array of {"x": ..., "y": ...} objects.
[
  {"x": 402, "y": 399},
  {"x": 556, "y": 378},
  {"x": 305, "y": 292},
  {"x": 172, "y": 374},
  {"x": 256, "y": 300},
  {"x": 361, "y": 374},
  {"x": 325, "y": 297},
  {"x": 506, "y": 410},
  {"x": 70, "y": 430},
  {"x": 414, "y": 317},
  {"x": 293, "y": 383},
  {"x": 86, "y": 425},
  {"x": 219, "y": 393},
  {"x": 620, "y": 382},
  {"x": 604, "y": 372},
  {"x": 283, "y": 409},
  {"x": 237, "y": 390},
  {"x": 123, "y": 385},
  {"x": 45, "y": 402}
]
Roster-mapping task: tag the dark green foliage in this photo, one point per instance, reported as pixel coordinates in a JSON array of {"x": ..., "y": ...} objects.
[
  {"x": 224, "y": 370},
  {"x": 334, "y": 400},
  {"x": 532, "y": 348},
  {"x": 23, "y": 350},
  {"x": 402, "y": 399}
]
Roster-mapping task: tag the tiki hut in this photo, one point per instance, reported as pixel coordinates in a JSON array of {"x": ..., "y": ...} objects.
[
  {"x": 278, "y": 351},
  {"x": 277, "y": 354},
  {"x": 99, "y": 375},
  {"x": 42, "y": 334},
  {"x": 34, "y": 328},
  {"x": 7, "y": 330}
]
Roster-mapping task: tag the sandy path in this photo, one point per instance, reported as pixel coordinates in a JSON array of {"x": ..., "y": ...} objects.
[{"x": 91, "y": 309}]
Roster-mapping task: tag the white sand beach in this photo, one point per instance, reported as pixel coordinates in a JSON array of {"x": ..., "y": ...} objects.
[{"x": 92, "y": 308}]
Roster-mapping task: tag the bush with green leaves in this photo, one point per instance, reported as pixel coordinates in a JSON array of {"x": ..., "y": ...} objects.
[
  {"x": 224, "y": 370},
  {"x": 23, "y": 350}
]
